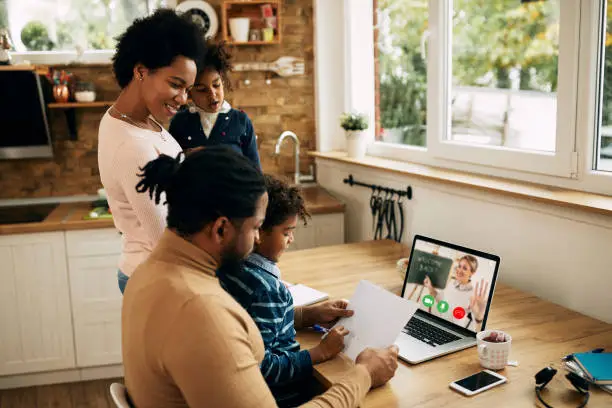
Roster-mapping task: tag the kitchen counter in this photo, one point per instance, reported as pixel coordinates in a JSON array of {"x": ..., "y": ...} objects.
[
  {"x": 69, "y": 216},
  {"x": 319, "y": 201}
]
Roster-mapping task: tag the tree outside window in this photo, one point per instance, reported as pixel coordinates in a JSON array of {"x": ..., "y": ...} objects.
[{"x": 505, "y": 57}]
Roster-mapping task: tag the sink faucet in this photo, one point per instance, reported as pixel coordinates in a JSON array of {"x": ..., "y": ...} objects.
[{"x": 297, "y": 177}]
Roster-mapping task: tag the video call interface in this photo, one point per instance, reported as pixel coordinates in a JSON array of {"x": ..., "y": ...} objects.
[{"x": 450, "y": 284}]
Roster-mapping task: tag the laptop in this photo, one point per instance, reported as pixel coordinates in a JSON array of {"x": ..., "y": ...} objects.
[{"x": 442, "y": 278}]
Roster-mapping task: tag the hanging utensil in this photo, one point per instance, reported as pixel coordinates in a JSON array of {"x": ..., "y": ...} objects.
[
  {"x": 381, "y": 216},
  {"x": 400, "y": 206},
  {"x": 373, "y": 209},
  {"x": 390, "y": 218}
]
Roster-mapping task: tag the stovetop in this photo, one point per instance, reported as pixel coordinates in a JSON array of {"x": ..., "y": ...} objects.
[{"x": 20, "y": 214}]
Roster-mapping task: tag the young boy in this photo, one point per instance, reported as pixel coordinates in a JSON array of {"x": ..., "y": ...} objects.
[{"x": 259, "y": 289}]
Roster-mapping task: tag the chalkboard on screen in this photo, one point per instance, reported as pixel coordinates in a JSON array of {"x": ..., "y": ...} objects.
[{"x": 424, "y": 264}]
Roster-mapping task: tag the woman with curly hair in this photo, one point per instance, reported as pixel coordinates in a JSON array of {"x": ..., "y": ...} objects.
[
  {"x": 212, "y": 121},
  {"x": 155, "y": 64}
]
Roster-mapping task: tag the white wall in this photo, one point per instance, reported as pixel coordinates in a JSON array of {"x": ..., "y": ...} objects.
[
  {"x": 343, "y": 56},
  {"x": 344, "y": 67},
  {"x": 329, "y": 43},
  {"x": 561, "y": 255}
]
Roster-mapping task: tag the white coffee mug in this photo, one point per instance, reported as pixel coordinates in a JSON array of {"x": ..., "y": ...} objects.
[
  {"x": 239, "y": 28},
  {"x": 492, "y": 355}
]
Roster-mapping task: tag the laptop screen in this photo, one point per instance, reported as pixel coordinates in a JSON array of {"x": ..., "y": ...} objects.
[{"x": 451, "y": 282}]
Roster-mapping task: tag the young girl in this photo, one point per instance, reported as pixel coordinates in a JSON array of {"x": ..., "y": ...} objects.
[{"x": 212, "y": 121}]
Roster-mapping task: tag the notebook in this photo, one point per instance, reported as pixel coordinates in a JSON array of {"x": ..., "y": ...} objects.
[
  {"x": 597, "y": 366},
  {"x": 304, "y": 295},
  {"x": 575, "y": 368}
]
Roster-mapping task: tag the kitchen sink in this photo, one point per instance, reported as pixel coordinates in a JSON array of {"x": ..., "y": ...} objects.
[{"x": 20, "y": 214}]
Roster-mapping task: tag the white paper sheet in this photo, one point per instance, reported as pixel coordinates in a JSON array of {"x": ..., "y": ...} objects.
[{"x": 378, "y": 320}]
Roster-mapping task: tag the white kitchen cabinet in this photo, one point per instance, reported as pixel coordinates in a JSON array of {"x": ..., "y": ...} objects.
[
  {"x": 60, "y": 306},
  {"x": 322, "y": 230},
  {"x": 93, "y": 256},
  {"x": 104, "y": 241},
  {"x": 35, "y": 318}
]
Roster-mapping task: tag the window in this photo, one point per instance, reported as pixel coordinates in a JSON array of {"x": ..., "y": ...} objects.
[
  {"x": 65, "y": 25},
  {"x": 504, "y": 73},
  {"x": 400, "y": 37},
  {"x": 603, "y": 142},
  {"x": 485, "y": 82}
]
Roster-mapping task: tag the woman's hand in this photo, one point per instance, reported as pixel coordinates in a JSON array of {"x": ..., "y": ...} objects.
[
  {"x": 330, "y": 346},
  {"x": 427, "y": 283},
  {"x": 478, "y": 300},
  {"x": 326, "y": 313}
]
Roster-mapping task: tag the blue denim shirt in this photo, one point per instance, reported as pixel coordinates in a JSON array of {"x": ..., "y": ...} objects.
[{"x": 232, "y": 128}]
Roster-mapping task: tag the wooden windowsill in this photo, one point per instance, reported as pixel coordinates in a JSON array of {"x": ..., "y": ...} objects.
[{"x": 590, "y": 202}]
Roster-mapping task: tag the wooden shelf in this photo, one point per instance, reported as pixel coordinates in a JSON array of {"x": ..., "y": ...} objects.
[
  {"x": 242, "y": 2},
  {"x": 252, "y": 10},
  {"x": 275, "y": 42},
  {"x": 69, "y": 105},
  {"x": 17, "y": 68}
]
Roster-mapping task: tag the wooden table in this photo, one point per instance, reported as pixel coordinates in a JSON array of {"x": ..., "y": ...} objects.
[{"x": 542, "y": 333}]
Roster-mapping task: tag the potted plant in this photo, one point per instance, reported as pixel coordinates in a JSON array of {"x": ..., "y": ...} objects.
[{"x": 355, "y": 125}]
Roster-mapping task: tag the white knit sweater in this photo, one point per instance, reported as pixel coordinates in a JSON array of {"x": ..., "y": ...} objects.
[{"x": 122, "y": 150}]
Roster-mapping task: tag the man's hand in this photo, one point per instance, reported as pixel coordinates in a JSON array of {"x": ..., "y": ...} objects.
[
  {"x": 380, "y": 363},
  {"x": 326, "y": 313}
]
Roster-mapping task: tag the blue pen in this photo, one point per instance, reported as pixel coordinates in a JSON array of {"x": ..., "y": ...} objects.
[{"x": 320, "y": 329}]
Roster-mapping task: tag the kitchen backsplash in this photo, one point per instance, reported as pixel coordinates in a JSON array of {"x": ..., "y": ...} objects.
[{"x": 285, "y": 104}]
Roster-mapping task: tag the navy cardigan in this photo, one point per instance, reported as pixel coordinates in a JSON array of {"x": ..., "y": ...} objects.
[{"x": 233, "y": 129}]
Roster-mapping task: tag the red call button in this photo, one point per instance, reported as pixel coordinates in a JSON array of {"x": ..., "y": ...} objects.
[{"x": 459, "y": 313}]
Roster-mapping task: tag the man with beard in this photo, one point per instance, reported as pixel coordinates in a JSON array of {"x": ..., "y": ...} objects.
[{"x": 185, "y": 341}]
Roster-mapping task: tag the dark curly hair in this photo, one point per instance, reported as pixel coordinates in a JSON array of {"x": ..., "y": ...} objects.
[
  {"x": 219, "y": 58},
  {"x": 155, "y": 42},
  {"x": 208, "y": 183},
  {"x": 284, "y": 201}
]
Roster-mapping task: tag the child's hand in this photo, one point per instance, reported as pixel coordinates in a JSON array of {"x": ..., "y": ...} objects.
[{"x": 331, "y": 345}]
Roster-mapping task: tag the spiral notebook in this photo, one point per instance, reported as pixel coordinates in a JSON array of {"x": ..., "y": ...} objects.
[
  {"x": 575, "y": 368},
  {"x": 597, "y": 366},
  {"x": 305, "y": 295}
]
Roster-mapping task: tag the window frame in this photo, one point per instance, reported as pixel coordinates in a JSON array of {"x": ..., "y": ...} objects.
[
  {"x": 63, "y": 57},
  {"x": 572, "y": 165},
  {"x": 439, "y": 77}
]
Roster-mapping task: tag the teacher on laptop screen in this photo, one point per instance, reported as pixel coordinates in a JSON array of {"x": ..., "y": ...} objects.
[
  {"x": 453, "y": 286},
  {"x": 450, "y": 284}
]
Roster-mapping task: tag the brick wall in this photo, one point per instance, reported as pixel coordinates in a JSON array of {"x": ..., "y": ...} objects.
[{"x": 285, "y": 104}]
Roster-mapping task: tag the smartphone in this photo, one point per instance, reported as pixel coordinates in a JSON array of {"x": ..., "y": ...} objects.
[{"x": 478, "y": 382}]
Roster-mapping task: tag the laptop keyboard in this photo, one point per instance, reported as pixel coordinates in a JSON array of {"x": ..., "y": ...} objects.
[{"x": 428, "y": 333}]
